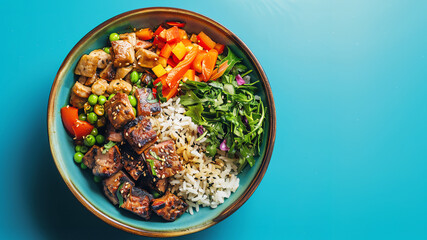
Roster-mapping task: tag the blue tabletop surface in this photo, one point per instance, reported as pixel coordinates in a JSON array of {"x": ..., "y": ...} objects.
[{"x": 350, "y": 85}]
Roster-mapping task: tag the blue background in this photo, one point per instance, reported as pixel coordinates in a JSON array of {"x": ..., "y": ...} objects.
[{"x": 349, "y": 81}]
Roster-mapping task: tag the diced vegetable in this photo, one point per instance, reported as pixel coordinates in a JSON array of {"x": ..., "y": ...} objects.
[
  {"x": 197, "y": 64},
  {"x": 166, "y": 51},
  {"x": 144, "y": 34},
  {"x": 193, "y": 38},
  {"x": 178, "y": 24},
  {"x": 208, "y": 64},
  {"x": 158, "y": 31},
  {"x": 205, "y": 41},
  {"x": 159, "y": 70},
  {"x": 172, "y": 34},
  {"x": 219, "y": 47},
  {"x": 77, "y": 128},
  {"x": 179, "y": 50},
  {"x": 177, "y": 72},
  {"x": 189, "y": 75}
]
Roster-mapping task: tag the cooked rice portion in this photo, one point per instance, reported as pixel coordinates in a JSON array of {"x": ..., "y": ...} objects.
[{"x": 204, "y": 181}]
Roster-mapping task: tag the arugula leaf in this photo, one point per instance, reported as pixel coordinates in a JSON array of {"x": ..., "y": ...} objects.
[
  {"x": 160, "y": 93},
  {"x": 195, "y": 112},
  {"x": 189, "y": 98},
  {"x": 232, "y": 60}
]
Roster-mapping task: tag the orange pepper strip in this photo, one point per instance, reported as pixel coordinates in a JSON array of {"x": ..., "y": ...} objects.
[
  {"x": 208, "y": 64},
  {"x": 218, "y": 72},
  {"x": 197, "y": 64},
  {"x": 177, "y": 72}
]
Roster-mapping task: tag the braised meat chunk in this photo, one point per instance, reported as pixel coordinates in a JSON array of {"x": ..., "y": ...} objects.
[
  {"x": 119, "y": 86},
  {"x": 146, "y": 58},
  {"x": 89, "y": 158},
  {"x": 81, "y": 90},
  {"x": 77, "y": 101},
  {"x": 140, "y": 134},
  {"x": 169, "y": 207},
  {"x": 104, "y": 57},
  {"x": 87, "y": 66},
  {"x": 108, "y": 163},
  {"x": 113, "y": 183},
  {"x": 147, "y": 104},
  {"x": 123, "y": 53},
  {"x": 138, "y": 202},
  {"x": 113, "y": 134},
  {"x": 134, "y": 164},
  {"x": 163, "y": 160},
  {"x": 119, "y": 110},
  {"x": 108, "y": 73},
  {"x": 159, "y": 185}
]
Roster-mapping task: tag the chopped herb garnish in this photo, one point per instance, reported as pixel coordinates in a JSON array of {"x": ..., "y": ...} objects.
[
  {"x": 107, "y": 146},
  {"x": 155, "y": 156},
  {"x": 153, "y": 170},
  {"x": 119, "y": 195}
]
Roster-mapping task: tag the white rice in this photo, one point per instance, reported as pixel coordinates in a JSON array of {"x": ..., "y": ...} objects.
[{"x": 204, "y": 181}]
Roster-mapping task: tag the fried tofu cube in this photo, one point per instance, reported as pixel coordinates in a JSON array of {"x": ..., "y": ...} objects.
[
  {"x": 123, "y": 53},
  {"x": 87, "y": 66}
]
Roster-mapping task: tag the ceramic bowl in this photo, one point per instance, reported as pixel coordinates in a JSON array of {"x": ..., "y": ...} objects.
[{"x": 81, "y": 182}]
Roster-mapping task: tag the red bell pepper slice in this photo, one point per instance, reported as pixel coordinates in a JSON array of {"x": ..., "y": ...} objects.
[
  {"x": 158, "y": 31},
  {"x": 177, "y": 72},
  {"x": 166, "y": 51},
  {"x": 172, "y": 62},
  {"x": 197, "y": 64},
  {"x": 172, "y": 34},
  {"x": 74, "y": 126},
  {"x": 208, "y": 64},
  {"x": 158, "y": 42},
  {"x": 205, "y": 41},
  {"x": 178, "y": 24}
]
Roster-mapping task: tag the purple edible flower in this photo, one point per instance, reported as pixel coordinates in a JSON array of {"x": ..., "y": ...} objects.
[
  {"x": 223, "y": 145},
  {"x": 245, "y": 121},
  {"x": 240, "y": 80},
  {"x": 200, "y": 129}
]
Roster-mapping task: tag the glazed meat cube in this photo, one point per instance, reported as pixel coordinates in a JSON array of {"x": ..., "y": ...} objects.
[
  {"x": 163, "y": 160},
  {"x": 107, "y": 164},
  {"x": 169, "y": 207},
  {"x": 87, "y": 66},
  {"x": 81, "y": 90},
  {"x": 77, "y": 101},
  {"x": 119, "y": 86},
  {"x": 159, "y": 185},
  {"x": 142, "y": 45},
  {"x": 133, "y": 164},
  {"x": 138, "y": 202},
  {"x": 99, "y": 87},
  {"x": 89, "y": 157},
  {"x": 90, "y": 80},
  {"x": 123, "y": 53},
  {"x": 123, "y": 71},
  {"x": 119, "y": 110},
  {"x": 146, "y": 58},
  {"x": 130, "y": 37},
  {"x": 112, "y": 183},
  {"x": 147, "y": 104},
  {"x": 140, "y": 134},
  {"x": 108, "y": 73},
  {"x": 113, "y": 135},
  {"x": 104, "y": 58}
]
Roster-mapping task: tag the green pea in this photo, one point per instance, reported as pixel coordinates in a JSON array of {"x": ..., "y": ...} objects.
[
  {"x": 134, "y": 111},
  {"x": 83, "y": 166},
  {"x": 100, "y": 139},
  {"x": 111, "y": 96},
  {"x": 134, "y": 77},
  {"x": 89, "y": 140},
  {"x": 96, "y": 179},
  {"x": 93, "y": 99},
  {"x": 78, "y": 148},
  {"x": 94, "y": 132},
  {"x": 114, "y": 37},
  {"x": 92, "y": 117},
  {"x": 78, "y": 157},
  {"x": 107, "y": 50},
  {"x": 132, "y": 100},
  {"x": 82, "y": 117},
  {"x": 102, "y": 100},
  {"x": 155, "y": 194},
  {"x": 84, "y": 149}
]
